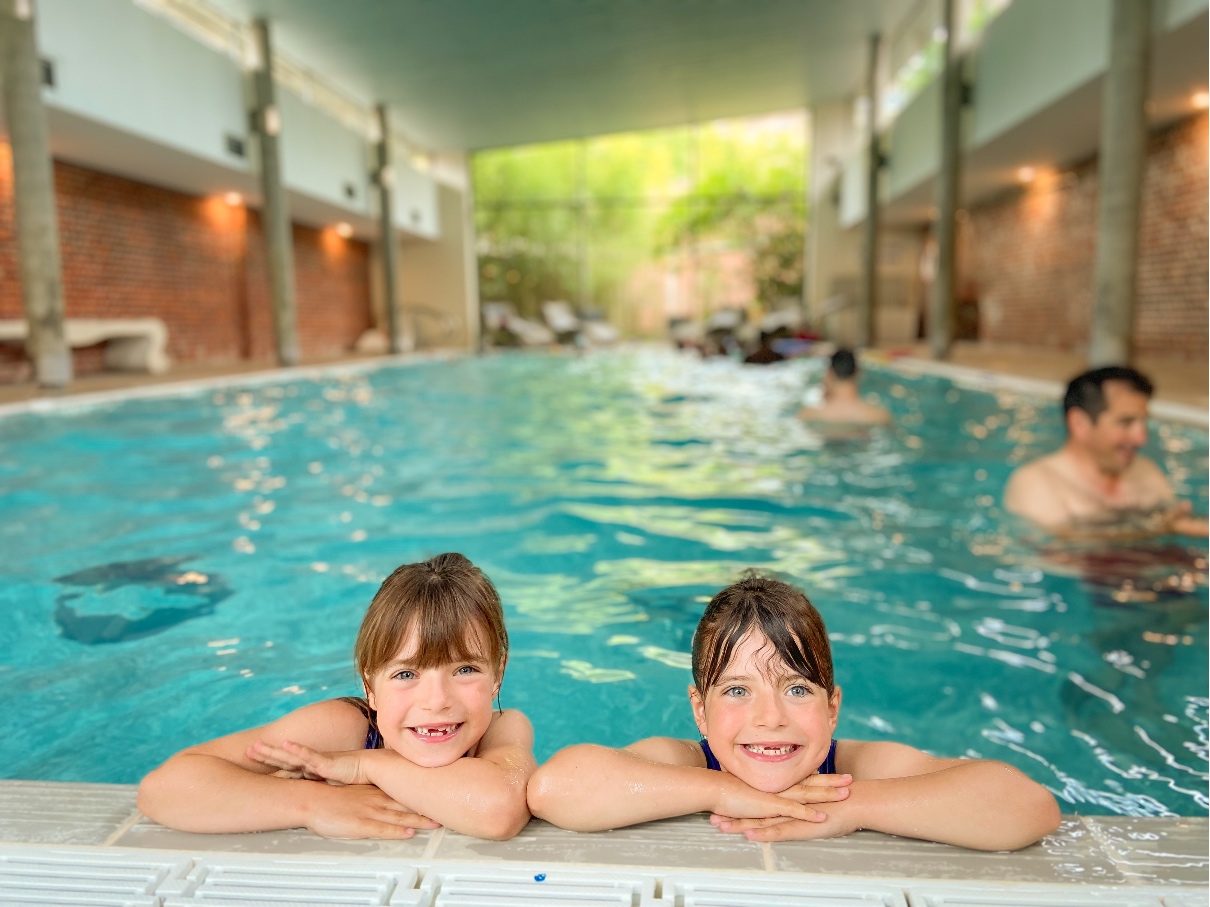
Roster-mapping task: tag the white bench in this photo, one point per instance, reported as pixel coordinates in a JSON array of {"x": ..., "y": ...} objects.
[{"x": 131, "y": 344}]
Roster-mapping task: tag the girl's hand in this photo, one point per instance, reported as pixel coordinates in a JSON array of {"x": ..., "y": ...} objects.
[
  {"x": 738, "y": 800},
  {"x": 298, "y": 761},
  {"x": 362, "y": 811},
  {"x": 834, "y": 825},
  {"x": 819, "y": 788}
]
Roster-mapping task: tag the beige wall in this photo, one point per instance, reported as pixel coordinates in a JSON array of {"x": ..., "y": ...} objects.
[
  {"x": 834, "y": 252},
  {"x": 438, "y": 283}
]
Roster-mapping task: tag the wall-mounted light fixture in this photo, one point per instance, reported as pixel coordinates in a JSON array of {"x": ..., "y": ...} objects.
[
  {"x": 1026, "y": 174},
  {"x": 1200, "y": 100},
  {"x": 343, "y": 229},
  {"x": 233, "y": 199}
]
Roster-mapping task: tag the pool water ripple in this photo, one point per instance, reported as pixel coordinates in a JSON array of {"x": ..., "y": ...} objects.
[{"x": 608, "y": 496}]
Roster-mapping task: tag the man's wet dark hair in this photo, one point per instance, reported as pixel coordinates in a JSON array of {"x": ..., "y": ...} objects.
[
  {"x": 844, "y": 364},
  {"x": 1087, "y": 391}
]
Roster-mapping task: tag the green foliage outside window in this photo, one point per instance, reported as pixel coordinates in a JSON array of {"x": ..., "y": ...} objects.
[{"x": 578, "y": 220}]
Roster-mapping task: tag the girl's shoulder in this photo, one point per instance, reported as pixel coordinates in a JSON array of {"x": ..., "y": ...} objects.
[
  {"x": 509, "y": 727},
  {"x": 868, "y": 760},
  {"x": 327, "y": 725},
  {"x": 669, "y": 751}
]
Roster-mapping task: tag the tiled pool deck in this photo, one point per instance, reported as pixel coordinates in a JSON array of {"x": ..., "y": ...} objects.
[{"x": 63, "y": 843}]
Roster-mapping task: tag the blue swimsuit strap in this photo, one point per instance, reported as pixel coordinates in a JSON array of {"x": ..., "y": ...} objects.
[
  {"x": 373, "y": 738},
  {"x": 828, "y": 767}
]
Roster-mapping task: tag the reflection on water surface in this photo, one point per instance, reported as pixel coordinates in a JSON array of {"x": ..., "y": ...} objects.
[{"x": 609, "y": 497}]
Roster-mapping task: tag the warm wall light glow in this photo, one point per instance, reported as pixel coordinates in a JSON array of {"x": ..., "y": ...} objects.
[
  {"x": 1026, "y": 174},
  {"x": 234, "y": 199},
  {"x": 1201, "y": 100},
  {"x": 218, "y": 210},
  {"x": 343, "y": 230}
]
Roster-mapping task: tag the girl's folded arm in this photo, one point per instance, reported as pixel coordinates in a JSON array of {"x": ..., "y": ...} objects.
[
  {"x": 899, "y": 790},
  {"x": 482, "y": 796},
  {"x": 594, "y": 788},
  {"x": 976, "y": 803},
  {"x": 215, "y": 787}
]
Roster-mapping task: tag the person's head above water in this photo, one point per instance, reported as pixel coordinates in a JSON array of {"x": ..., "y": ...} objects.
[
  {"x": 844, "y": 365},
  {"x": 1087, "y": 391},
  {"x": 764, "y": 694},
  {"x": 431, "y": 654},
  {"x": 1105, "y": 410}
]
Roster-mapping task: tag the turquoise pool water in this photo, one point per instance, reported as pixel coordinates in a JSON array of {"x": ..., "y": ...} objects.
[{"x": 181, "y": 567}]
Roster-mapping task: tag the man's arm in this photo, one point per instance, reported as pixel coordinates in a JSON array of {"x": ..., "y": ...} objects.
[
  {"x": 482, "y": 795},
  {"x": 1173, "y": 516},
  {"x": 594, "y": 788},
  {"x": 899, "y": 790},
  {"x": 214, "y": 787}
]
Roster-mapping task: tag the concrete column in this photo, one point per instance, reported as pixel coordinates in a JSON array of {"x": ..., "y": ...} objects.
[
  {"x": 583, "y": 245},
  {"x": 388, "y": 241},
  {"x": 868, "y": 304},
  {"x": 941, "y": 305},
  {"x": 1120, "y": 173},
  {"x": 275, "y": 216},
  {"x": 470, "y": 266},
  {"x": 810, "y": 241},
  {"x": 33, "y": 195}
]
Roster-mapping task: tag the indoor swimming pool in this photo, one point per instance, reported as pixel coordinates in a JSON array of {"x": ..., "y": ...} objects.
[{"x": 187, "y": 565}]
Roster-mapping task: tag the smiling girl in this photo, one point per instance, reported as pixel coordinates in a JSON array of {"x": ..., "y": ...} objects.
[
  {"x": 423, "y": 748},
  {"x": 766, "y": 704}
]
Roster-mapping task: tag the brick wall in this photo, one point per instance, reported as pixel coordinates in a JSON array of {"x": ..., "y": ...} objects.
[
  {"x": 133, "y": 250},
  {"x": 1032, "y": 253}
]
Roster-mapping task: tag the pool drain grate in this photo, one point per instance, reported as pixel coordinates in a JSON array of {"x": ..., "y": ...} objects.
[{"x": 60, "y": 877}]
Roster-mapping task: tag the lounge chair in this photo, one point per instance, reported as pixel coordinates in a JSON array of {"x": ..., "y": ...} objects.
[{"x": 504, "y": 327}]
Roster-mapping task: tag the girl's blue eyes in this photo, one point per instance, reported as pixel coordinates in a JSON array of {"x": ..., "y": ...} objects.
[
  {"x": 464, "y": 671},
  {"x": 798, "y": 690}
]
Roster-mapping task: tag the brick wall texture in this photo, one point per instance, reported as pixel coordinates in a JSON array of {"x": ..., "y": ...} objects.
[
  {"x": 132, "y": 250},
  {"x": 1031, "y": 254}
]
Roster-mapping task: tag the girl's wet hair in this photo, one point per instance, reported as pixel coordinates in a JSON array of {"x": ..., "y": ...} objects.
[
  {"x": 448, "y": 599},
  {"x": 770, "y": 607}
]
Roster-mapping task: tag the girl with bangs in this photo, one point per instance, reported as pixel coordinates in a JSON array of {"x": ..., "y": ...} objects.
[
  {"x": 423, "y": 748},
  {"x": 767, "y": 766}
]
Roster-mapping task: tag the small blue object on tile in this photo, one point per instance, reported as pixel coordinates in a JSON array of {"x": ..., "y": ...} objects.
[{"x": 540, "y": 877}]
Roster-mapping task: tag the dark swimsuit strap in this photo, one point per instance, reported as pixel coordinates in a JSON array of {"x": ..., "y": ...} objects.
[
  {"x": 828, "y": 767},
  {"x": 373, "y": 738}
]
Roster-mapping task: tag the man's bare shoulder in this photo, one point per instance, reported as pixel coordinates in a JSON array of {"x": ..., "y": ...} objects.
[
  {"x": 1040, "y": 472},
  {"x": 861, "y": 413},
  {"x": 1034, "y": 490},
  {"x": 1144, "y": 469}
]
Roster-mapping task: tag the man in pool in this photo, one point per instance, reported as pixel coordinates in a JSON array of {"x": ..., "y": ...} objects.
[
  {"x": 1097, "y": 484},
  {"x": 842, "y": 403}
]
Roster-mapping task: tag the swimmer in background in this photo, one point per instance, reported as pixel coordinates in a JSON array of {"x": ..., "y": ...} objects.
[
  {"x": 765, "y": 701},
  {"x": 1097, "y": 485},
  {"x": 764, "y": 354},
  {"x": 423, "y": 748},
  {"x": 842, "y": 403}
]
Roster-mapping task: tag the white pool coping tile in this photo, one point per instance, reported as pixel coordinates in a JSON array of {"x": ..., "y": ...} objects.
[
  {"x": 1107, "y": 861},
  {"x": 1050, "y": 391}
]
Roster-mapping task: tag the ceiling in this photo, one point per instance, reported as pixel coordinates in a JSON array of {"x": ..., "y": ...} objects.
[{"x": 474, "y": 74}]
